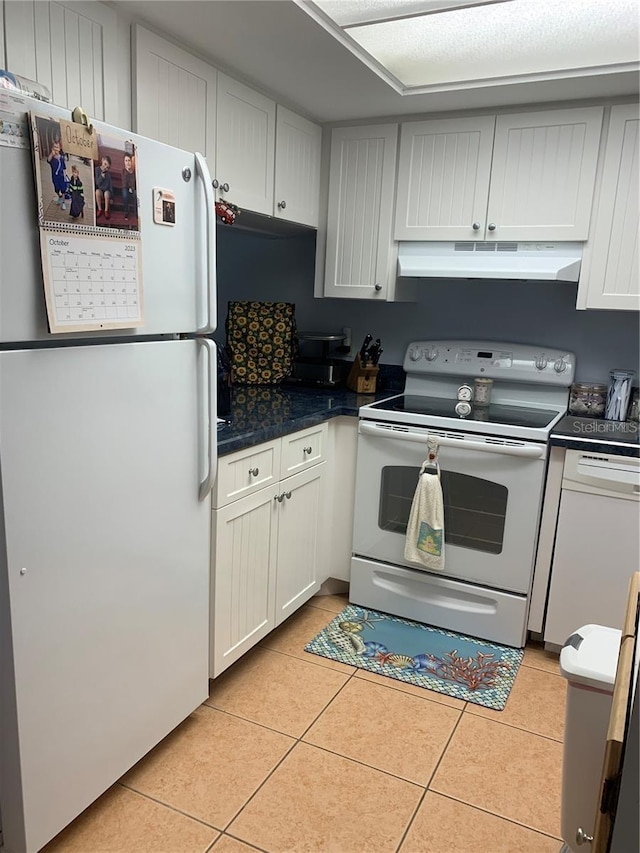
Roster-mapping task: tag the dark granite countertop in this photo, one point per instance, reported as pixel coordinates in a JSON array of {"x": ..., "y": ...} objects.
[
  {"x": 263, "y": 412},
  {"x": 600, "y": 436}
]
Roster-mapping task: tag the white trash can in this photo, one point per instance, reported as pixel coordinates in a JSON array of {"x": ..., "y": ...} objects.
[{"x": 588, "y": 661}]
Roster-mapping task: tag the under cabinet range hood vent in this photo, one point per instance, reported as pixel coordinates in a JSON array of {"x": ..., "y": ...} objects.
[{"x": 494, "y": 260}]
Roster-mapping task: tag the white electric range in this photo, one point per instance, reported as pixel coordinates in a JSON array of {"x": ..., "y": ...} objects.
[{"x": 492, "y": 461}]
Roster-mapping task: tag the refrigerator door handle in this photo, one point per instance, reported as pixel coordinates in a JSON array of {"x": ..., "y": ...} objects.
[
  {"x": 210, "y": 419},
  {"x": 202, "y": 171}
]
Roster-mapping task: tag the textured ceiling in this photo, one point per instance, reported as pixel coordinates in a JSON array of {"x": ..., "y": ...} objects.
[{"x": 276, "y": 47}]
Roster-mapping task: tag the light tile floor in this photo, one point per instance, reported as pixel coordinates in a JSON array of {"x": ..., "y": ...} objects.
[{"x": 293, "y": 753}]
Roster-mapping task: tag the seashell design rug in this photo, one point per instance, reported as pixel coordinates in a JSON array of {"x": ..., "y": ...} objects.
[{"x": 464, "y": 667}]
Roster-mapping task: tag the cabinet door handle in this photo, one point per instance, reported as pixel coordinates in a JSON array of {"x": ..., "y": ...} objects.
[
  {"x": 224, "y": 188},
  {"x": 253, "y": 472},
  {"x": 491, "y": 226},
  {"x": 377, "y": 287},
  {"x": 307, "y": 449},
  {"x": 279, "y": 498},
  {"x": 215, "y": 183},
  {"x": 287, "y": 495},
  {"x": 282, "y": 204},
  {"x": 476, "y": 226}
]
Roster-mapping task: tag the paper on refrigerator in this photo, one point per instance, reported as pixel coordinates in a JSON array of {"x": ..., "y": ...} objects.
[{"x": 88, "y": 216}]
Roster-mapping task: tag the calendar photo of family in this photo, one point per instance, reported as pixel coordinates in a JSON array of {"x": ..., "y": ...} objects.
[{"x": 96, "y": 190}]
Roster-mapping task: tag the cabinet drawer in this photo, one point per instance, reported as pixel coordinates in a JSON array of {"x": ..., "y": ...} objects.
[
  {"x": 303, "y": 449},
  {"x": 245, "y": 472}
]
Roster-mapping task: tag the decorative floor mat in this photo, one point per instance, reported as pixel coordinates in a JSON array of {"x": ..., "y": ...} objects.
[{"x": 464, "y": 667}]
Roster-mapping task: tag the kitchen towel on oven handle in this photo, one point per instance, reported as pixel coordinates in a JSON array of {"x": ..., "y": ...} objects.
[{"x": 424, "y": 542}]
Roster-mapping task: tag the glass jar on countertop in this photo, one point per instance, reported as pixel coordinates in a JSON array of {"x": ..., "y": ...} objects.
[
  {"x": 634, "y": 406},
  {"x": 588, "y": 399}
]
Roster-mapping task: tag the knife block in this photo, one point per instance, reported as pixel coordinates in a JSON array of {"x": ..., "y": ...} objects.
[{"x": 362, "y": 379}]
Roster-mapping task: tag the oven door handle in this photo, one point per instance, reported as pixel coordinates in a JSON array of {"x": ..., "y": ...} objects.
[{"x": 530, "y": 451}]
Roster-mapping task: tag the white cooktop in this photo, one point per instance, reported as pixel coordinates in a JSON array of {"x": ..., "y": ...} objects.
[{"x": 529, "y": 394}]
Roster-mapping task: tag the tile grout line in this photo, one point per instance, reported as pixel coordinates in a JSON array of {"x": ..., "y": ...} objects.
[
  {"x": 246, "y": 720},
  {"x": 314, "y": 662},
  {"x": 510, "y": 725},
  {"x": 446, "y": 747},
  {"x": 542, "y": 669},
  {"x": 240, "y": 840},
  {"x": 357, "y": 669},
  {"x": 325, "y": 609},
  {"x": 170, "y": 807},
  {"x": 362, "y": 763},
  {"x": 259, "y": 788},
  {"x": 296, "y": 741},
  {"x": 237, "y": 838},
  {"x": 495, "y": 814},
  {"x": 465, "y": 708},
  {"x": 411, "y": 820},
  {"x": 426, "y": 787}
]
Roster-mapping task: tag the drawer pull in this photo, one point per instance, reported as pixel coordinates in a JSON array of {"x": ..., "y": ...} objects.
[
  {"x": 307, "y": 449},
  {"x": 253, "y": 472}
]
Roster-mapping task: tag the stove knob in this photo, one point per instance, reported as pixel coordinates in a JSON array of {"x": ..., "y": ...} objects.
[
  {"x": 541, "y": 362},
  {"x": 463, "y": 409},
  {"x": 431, "y": 354},
  {"x": 415, "y": 353},
  {"x": 560, "y": 365}
]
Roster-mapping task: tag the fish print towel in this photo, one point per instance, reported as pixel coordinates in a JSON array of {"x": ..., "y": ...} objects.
[{"x": 424, "y": 542}]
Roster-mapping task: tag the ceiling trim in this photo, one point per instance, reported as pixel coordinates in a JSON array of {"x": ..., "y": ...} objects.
[
  {"x": 469, "y": 4},
  {"x": 341, "y": 35},
  {"x": 533, "y": 77},
  {"x": 351, "y": 44}
]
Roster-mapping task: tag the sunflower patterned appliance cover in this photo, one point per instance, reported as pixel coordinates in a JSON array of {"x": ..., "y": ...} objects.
[{"x": 261, "y": 341}]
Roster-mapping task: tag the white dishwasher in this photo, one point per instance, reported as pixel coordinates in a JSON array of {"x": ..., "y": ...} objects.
[{"x": 597, "y": 546}]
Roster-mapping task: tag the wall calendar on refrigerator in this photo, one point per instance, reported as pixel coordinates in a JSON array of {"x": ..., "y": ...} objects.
[{"x": 90, "y": 236}]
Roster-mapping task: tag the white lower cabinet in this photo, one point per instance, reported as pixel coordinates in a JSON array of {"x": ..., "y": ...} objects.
[
  {"x": 268, "y": 546},
  {"x": 343, "y": 444},
  {"x": 301, "y": 540}
]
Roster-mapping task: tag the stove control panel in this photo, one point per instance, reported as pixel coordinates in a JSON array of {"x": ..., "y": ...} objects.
[{"x": 506, "y": 361}]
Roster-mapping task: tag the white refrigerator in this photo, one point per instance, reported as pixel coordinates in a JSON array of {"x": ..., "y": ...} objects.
[{"x": 107, "y": 455}]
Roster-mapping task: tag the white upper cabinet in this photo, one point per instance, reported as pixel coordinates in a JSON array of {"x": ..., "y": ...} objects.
[
  {"x": 360, "y": 256},
  {"x": 297, "y": 176},
  {"x": 245, "y": 146},
  {"x": 175, "y": 94},
  {"x": 443, "y": 178},
  {"x": 267, "y": 158},
  {"x": 528, "y": 176},
  {"x": 610, "y": 277},
  {"x": 185, "y": 102},
  {"x": 70, "y": 48},
  {"x": 543, "y": 175}
]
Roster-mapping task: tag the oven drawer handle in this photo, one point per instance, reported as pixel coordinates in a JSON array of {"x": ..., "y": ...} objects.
[{"x": 530, "y": 451}]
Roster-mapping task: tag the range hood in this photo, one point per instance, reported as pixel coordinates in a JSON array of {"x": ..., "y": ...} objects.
[{"x": 493, "y": 260}]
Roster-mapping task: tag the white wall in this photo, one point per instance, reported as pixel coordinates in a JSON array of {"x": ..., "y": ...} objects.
[{"x": 255, "y": 267}]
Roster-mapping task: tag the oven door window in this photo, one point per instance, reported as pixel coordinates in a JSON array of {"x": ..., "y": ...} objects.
[{"x": 475, "y": 509}]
